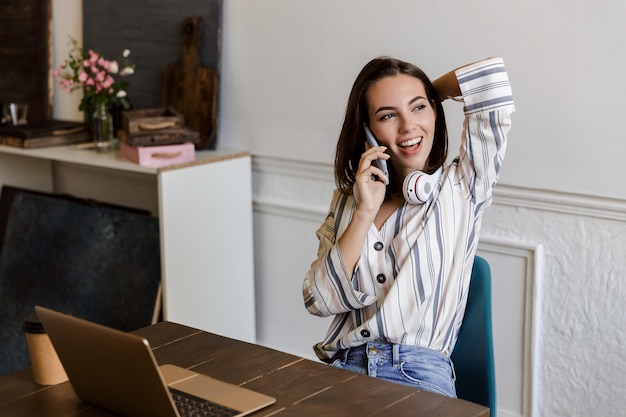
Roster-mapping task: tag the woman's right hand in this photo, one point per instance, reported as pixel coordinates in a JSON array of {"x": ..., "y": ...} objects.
[
  {"x": 369, "y": 195},
  {"x": 369, "y": 180}
]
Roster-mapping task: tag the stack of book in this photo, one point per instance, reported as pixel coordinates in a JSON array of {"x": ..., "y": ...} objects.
[
  {"x": 157, "y": 137},
  {"x": 42, "y": 134}
]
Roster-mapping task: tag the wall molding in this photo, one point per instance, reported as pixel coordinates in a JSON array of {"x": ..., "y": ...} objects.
[
  {"x": 532, "y": 255},
  {"x": 561, "y": 202},
  {"x": 291, "y": 188},
  {"x": 303, "y": 189}
]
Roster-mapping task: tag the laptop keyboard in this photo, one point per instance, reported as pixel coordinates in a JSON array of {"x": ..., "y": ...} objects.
[{"x": 191, "y": 406}]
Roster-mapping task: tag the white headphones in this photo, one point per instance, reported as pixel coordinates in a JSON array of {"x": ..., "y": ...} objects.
[
  {"x": 419, "y": 186},
  {"x": 416, "y": 188}
]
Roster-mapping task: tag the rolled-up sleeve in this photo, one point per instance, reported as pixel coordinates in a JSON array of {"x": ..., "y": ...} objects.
[
  {"x": 488, "y": 106},
  {"x": 328, "y": 288}
]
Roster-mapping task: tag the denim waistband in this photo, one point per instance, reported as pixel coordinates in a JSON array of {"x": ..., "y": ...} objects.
[
  {"x": 416, "y": 366},
  {"x": 392, "y": 351}
]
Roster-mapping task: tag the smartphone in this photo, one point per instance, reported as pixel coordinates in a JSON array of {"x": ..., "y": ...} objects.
[{"x": 380, "y": 163}]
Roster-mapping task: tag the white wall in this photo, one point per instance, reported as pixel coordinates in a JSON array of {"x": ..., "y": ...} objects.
[
  {"x": 579, "y": 361},
  {"x": 67, "y": 20},
  {"x": 287, "y": 69},
  {"x": 288, "y": 66}
]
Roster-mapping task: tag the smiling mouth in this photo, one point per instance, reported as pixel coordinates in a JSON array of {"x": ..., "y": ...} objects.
[{"x": 411, "y": 142}]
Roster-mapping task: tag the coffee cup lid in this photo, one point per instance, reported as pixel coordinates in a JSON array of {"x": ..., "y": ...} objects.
[{"x": 32, "y": 324}]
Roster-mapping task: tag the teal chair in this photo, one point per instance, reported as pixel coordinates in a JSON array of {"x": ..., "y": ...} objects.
[{"x": 473, "y": 355}]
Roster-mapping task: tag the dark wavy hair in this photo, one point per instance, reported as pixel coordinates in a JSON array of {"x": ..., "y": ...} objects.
[{"x": 351, "y": 143}]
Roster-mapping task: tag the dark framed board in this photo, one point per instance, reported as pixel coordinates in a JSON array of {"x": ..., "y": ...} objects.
[{"x": 97, "y": 261}]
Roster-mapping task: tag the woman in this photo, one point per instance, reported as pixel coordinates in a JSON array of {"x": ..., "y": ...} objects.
[{"x": 393, "y": 271}]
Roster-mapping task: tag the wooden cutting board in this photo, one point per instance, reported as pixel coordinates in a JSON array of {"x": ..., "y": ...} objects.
[{"x": 191, "y": 89}]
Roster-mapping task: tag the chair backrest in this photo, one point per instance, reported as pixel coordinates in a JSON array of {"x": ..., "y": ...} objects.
[{"x": 473, "y": 355}]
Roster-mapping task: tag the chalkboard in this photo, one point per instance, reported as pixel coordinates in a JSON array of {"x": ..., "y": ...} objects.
[{"x": 96, "y": 261}]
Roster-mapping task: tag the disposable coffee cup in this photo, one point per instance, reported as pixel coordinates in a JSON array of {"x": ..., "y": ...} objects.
[{"x": 45, "y": 363}]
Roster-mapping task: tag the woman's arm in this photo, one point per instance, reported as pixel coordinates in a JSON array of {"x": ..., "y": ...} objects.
[
  {"x": 488, "y": 105},
  {"x": 447, "y": 86},
  {"x": 327, "y": 288}
]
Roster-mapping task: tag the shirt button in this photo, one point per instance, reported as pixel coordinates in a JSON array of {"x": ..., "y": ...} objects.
[
  {"x": 365, "y": 333},
  {"x": 378, "y": 246},
  {"x": 381, "y": 278}
]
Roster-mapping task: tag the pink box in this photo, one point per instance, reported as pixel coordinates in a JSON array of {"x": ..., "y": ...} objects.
[{"x": 159, "y": 156}]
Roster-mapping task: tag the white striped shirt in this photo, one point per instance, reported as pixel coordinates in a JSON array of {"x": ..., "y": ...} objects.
[{"x": 411, "y": 283}]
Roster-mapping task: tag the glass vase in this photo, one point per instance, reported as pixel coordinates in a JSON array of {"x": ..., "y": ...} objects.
[{"x": 102, "y": 127}]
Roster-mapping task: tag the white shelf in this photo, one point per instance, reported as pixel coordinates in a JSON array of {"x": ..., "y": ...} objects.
[{"x": 113, "y": 159}]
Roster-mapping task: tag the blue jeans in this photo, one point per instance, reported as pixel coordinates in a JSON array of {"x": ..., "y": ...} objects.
[{"x": 419, "y": 367}]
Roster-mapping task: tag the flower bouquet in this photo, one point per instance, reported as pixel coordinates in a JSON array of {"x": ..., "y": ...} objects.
[{"x": 91, "y": 72}]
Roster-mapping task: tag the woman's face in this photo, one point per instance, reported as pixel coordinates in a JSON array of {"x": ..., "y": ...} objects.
[{"x": 402, "y": 118}]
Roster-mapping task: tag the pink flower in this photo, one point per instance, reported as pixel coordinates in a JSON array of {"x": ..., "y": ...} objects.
[
  {"x": 91, "y": 72},
  {"x": 108, "y": 82}
]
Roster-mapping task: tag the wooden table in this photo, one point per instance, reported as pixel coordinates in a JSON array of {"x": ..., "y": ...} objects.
[{"x": 302, "y": 387}]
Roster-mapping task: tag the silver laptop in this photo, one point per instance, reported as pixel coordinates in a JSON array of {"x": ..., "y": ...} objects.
[{"x": 117, "y": 371}]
